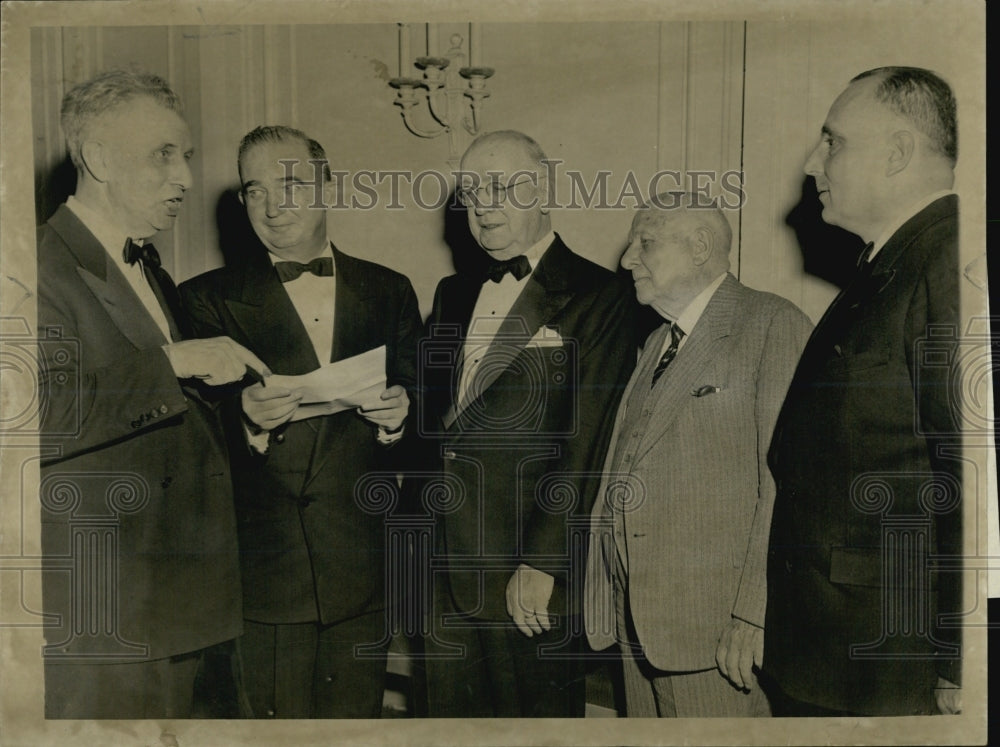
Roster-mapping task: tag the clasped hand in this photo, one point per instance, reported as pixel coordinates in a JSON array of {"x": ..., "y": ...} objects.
[
  {"x": 270, "y": 406},
  {"x": 391, "y": 411}
]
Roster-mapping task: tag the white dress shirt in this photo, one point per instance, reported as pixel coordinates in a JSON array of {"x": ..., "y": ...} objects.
[
  {"x": 492, "y": 307},
  {"x": 314, "y": 298},
  {"x": 692, "y": 313},
  {"x": 113, "y": 240}
]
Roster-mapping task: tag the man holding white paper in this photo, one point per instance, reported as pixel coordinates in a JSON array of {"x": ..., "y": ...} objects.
[{"x": 312, "y": 560}]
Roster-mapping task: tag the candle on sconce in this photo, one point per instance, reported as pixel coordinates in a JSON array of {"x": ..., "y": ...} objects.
[
  {"x": 475, "y": 45},
  {"x": 404, "y": 49},
  {"x": 432, "y": 40}
]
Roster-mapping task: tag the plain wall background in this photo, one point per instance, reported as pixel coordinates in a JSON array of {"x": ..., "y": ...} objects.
[{"x": 615, "y": 97}]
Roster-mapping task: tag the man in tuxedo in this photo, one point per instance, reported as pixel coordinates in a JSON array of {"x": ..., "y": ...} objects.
[
  {"x": 138, "y": 531},
  {"x": 866, "y": 453},
  {"x": 522, "y": 367},
  {"x": 312, "y": 554},
  {"x": 675, "y": 572}
]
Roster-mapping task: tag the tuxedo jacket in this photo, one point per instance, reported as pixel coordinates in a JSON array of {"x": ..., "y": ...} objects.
[
  {"x": 692, "y": 450},
  {"x": 519, "y": 459},
  {"x": 135, "y": 485},
  {"x": 866, "y": 458},
  {"x": 309, "y": 548}
]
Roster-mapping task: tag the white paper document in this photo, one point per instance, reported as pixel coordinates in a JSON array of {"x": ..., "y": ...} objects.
[{"x": 352, "y": 382}]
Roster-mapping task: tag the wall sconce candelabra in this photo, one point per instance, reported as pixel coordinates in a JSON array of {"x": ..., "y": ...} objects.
[{"x": 447, "y": 88}]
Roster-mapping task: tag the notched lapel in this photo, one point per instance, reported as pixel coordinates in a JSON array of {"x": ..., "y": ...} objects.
[
  {"x": 690, "y": 369},
  {"x": 124, "y": 307},
  {"x": 106, "y": 281},
  {"x": 872, "y": 286}
]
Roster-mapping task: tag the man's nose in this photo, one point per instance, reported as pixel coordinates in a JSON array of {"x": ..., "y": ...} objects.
[
  {"x": 814, "y": 163},
  {"x": 629, "y": 257},
  {"x": 183, "y": 177},
  {"x": 272, "y": 204}
]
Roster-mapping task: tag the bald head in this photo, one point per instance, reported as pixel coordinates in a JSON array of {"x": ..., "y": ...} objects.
[
  {"x": 523, "y": 149},
  {"x": 887, "y": 142},
  {"x": 686, "y": 213},
  {"x": 502, "y": 185},
  {"x": 676, "y": 249}
]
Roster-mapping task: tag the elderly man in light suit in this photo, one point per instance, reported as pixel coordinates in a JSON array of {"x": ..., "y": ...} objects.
[{"x": 676, "y": 570}]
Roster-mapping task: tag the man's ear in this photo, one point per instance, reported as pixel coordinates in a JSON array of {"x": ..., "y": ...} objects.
[
  {"x": 901, "y": 145},
  {"x": 330, "y": 192},
  {"x": 94, "y": 155},
  {"x": 702, "y": 244},
  {"x": 239, "y": 196}
]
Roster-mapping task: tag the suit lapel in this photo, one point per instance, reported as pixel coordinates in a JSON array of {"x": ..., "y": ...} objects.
[
  {"x": 545, "y": 294},
  {"x": 107, "y": 282},
  {"x": 704, "y": 345},
  {"x": 353, "y": 318},
  {"x": 870, "y": 282},
  {"x": 263, "y": 310}
]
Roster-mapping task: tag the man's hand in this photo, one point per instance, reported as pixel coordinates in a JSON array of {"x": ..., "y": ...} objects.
[
  {"x": 948, "y": 696},
  {"x": 269, "y": 407},
  {"x": 528, "y": 593},
  {"x": 391, "y": 411},
  {"x": 217, "y": 360},
  {"x": 741, "y": 646}
]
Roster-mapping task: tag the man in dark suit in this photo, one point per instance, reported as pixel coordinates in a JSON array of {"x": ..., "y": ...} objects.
[
  {"x": 138, "y": 530},
  {"x": 862, "y": 612},
  {"x": 522, "y": 369},
  {"x": 313, "y": 559},
  {"x": 676, "y": 568}
]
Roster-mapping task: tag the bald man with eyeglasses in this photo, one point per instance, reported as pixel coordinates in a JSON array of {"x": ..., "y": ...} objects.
[{"x": 523, "y": 365}]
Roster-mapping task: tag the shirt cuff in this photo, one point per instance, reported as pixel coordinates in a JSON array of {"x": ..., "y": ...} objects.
[
  {"x": 260, "y": 441},
  {"x": 385, "y": 437}
]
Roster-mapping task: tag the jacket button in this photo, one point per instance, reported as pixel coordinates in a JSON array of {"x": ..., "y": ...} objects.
[
  {"x": 280, "y": 438},
  {"x": 788, "y": 566},
  {"x": 164, "y": 409},
  {"x": 450, "y": 455}
]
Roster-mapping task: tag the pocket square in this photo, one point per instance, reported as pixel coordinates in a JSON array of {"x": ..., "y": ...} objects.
[
  {"x": 705, "y": 389},
  {"x": 546, "y": 337}
]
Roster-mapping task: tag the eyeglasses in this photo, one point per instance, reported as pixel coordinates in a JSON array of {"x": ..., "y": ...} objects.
[{"x": 494, "y": 192}]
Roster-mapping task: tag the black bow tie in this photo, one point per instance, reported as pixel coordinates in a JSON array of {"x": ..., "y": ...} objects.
[
  {"x": 288, "y": 271},
  {"x": 519, "y": 267},
  {"x": 133, "y": 252}
]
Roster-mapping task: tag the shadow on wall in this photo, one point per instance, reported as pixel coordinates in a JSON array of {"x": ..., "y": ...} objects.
[
  {"x": 828, "y": 252},
  {"x": 52, "y": 187},
  {"x": 466, "y": 255},
  {"x": 236, "y": 235}
]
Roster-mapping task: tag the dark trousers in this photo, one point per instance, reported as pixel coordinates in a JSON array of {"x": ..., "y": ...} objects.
[
  {"x": 162, "y": 688},
  {"x": 500, "y": 672},
  {"x": 308, "y": 670}
]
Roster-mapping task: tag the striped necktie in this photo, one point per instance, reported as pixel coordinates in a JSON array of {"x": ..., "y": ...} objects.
[{"x": 676, "y": 333}]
